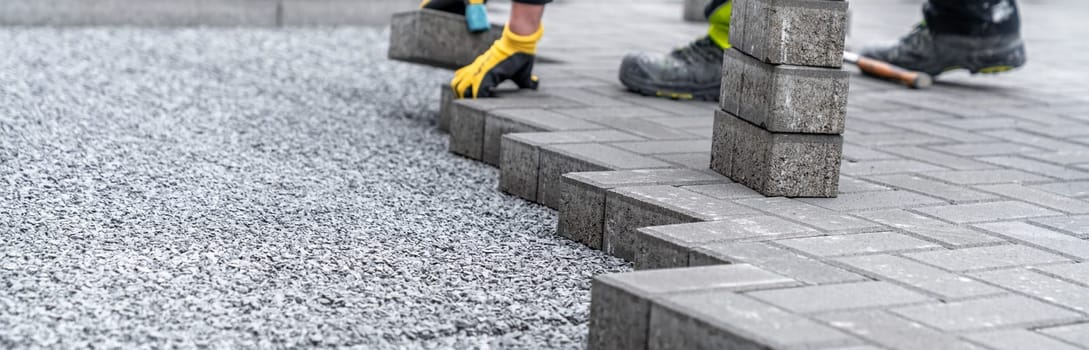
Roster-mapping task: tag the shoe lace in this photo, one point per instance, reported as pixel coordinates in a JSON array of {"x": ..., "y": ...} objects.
[{"x": 699, "y": 50}]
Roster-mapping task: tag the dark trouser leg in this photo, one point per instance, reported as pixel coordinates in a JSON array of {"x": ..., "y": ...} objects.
[
  {"x": 707, "y": 11},
  {"x": 979, "y": 18}
]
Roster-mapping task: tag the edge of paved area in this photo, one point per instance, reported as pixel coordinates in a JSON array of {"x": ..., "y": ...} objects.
[{"x": 180, "y": 13}]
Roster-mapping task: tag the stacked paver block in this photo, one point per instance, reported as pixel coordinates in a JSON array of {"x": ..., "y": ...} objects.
[
  {"x": 693, "y": 10},
  {"x": 784, "y": 98},
  {"x": 437, "y": 39}
]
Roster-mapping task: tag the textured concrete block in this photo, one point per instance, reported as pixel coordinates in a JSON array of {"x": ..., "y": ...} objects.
[
  {"x": 982, "y": 258},
  {"x": 620, "y": 303},
  {"x": 1015, "y": 339},
  {"x": 670, "y": 246},
  {"x": 693, "y": 10},
  {"x": 774, "y": 164},
  {"x": 869, "y": 294},
  {"x": 792, "y": 99},
  {"x": 811, "y": 215},
  {"x": 947, "y": 234},
  {"x": 778, "y": 260},
  {"x": 436, "y": 38},
  {"x": 862, "y": 243},
  {"x": 982, "y": 314},
  {"x": 468, "y": 117},
  {"x": 520, "y": 156},
  {"x": 446, "y": 111},
  {"x": 630, "y": 208},
  {"x": 894, "y": 332},
  {"x": 799, "y": 32},
  {"x": 1043, "y": 287},
  {"x": 725, "y": 320},
  {"x": 505, "y": 121},
  {"x": 557, "y": 160},
  {"x": 1041, "y": 237},
  {"x": 582, "y": 208},
  {"x": 931, "y": 279}
]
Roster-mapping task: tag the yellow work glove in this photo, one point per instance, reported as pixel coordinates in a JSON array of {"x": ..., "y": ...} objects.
[{"x": 510, "y": 57}]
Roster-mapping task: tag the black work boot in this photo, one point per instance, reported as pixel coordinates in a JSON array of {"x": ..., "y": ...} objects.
[
  {"x": 692, "y": 72},
  {"x": 935, "y": 53}
]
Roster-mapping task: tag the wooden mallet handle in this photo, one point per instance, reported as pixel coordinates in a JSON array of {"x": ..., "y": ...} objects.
[{"x": 916, "y": 80}]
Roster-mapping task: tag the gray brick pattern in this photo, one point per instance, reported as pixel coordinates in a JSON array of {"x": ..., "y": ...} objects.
[{"x": 960, "y": 222}]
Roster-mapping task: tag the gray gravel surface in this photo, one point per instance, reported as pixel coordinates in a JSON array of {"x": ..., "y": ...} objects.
[{"x": 258, "y": 188}]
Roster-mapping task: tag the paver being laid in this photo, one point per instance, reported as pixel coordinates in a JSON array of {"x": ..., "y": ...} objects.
[
  {"x": 436, "y": 38},
  {"x": 955, "y": 202}
]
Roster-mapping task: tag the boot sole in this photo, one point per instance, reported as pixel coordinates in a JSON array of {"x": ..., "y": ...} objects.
[{"x": 701, "y": 94}]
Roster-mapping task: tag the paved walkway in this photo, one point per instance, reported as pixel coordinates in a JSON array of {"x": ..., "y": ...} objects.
[{"x": 961, "y": 221}]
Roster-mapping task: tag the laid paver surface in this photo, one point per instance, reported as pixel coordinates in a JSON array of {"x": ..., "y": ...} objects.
[{"x": 962, "y": 205}]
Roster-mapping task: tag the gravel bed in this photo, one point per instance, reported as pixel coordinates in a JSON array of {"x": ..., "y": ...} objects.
[{"x": 258, "y": 188}]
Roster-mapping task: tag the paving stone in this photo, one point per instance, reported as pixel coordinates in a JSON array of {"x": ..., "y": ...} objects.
[
  {"x": 846, "y": 296},
  {"x": 467, "y": 118},
  {"x": 664, "y": 147},
  {"x": 787, "y": 99},
  {"x": 646, "y": 129},
  {"x": 856, "y": 153},
  {"x": 630, "y": 208},
  {"x": 1073, "y": 225},
  {"x": 436, "y": 38},
  {"x": 1017, "y": 339},
  {"x": 931, "y": 128},
  {"x": 1041, "y": 237},
  {"x": 811, "y": 215},
  {"x": 446, "y": 111},
  {"x": 1037, "y": 167},
  {"x": 1072, "y": 272},
  {"x": 620, "y": 307},
  {"x": 670, "y": 245},
  {"x": 902, "y": 138},
  {"x": 520, "y": 157},
  {"x": 862, "y": 243},
  {"x": 873, "y": 200},
  {"x": 1062, "y": 157},
  {"x": 693, "y": 10},
  {"x": 727, "y": 191},
  {"x": 991, "y": 313},
  {"x": 800, "y": 32},
  {"x": 696, "y": 161},
  {"x": 771, "y": 258},
  {"x": 931, "y": 229},
  {"x": 930, "y": 279},
  {"x": 506, "y": 121},
  {"x": 725, "y": 320},
  {"x": 893, "y": 332},
  {"x": 852, "y": 185},
  {"x": 1069, "y": 189},
  {"x": 933, "y": 188},
  {"x": 582, "y": 209},
  {"x": 983, "y": 258},
  {"x": 705, "y": 120},
  {"x": 557, "y": 160},
  {"x": 988, "y": 123},
  {"x": 1043, "y": 287},
  {"x": 990, "y": 211},
  {"x": 937, "y": 158},
  {"x": 876, "y": 167},
  {"x": 987, "y": 149},
  {"x": 1074, "y": 334},
  {"x": 600, "y": 113},
  {"x": 1048, "y": 143},
  {"x": 792, "y": 165},
  {"x": 982, "y": 177}
]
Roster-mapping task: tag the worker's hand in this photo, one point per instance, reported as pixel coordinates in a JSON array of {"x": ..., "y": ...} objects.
[{"x": 510, "y": 57}]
